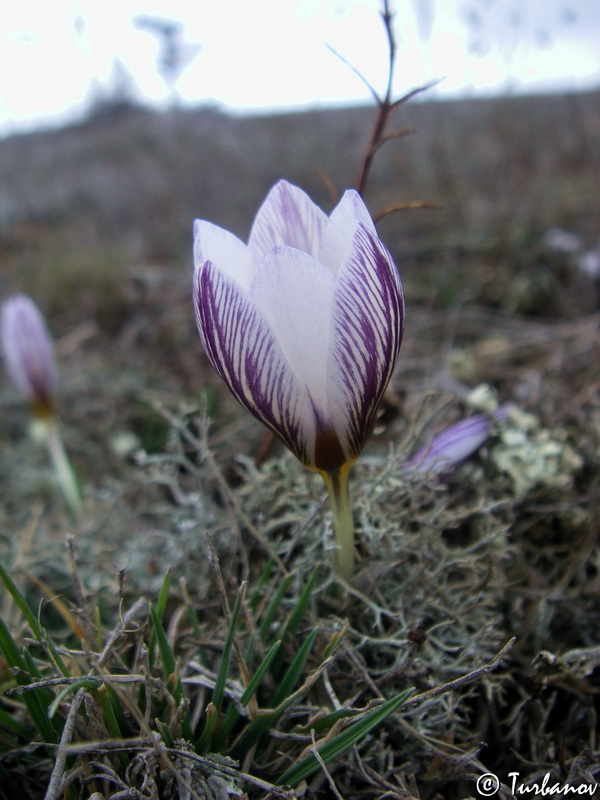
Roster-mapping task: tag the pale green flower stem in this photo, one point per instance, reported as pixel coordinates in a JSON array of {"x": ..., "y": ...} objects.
[
  {"x": 62, "y": 468},
  {"x": 339, "y": 497}
]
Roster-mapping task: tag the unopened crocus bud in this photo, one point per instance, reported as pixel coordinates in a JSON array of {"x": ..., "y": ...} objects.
[
  {"x": 29, "y": 353},
  {"x": 455, "y": 444},
  {"x": 30, "y": 362}
]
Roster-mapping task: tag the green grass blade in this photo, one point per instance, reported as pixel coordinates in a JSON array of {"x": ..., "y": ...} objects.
[
  {"x": 22, "y": 604},
  {"x": 213, "y": 709},
  {"x": 340, "y": 743},
  {"x": 9, "y": 723},
  {"x": 37, "y": 700},
  {"x": 159, "y": 641},
  {"x": 32, "y": 619},
  {"x": 107, "y": 694},
  {"x": 223, "y": 673},
  {"x": 170, "y": 669},
  {"x": 163, "y": 595},
  {"x": 293, "y": 622},
  {"x": 264, "y": 721},
  {"x": 38, "y": 711},
  {"x": 9, "y": 649},
  {"x": 328, "y": 720},
  {"x": 192, "y": 616},
  {"x": 110, "y": 721},
  {"x": 161, "y": 605},
  {"x": 108, "y": 714},
  {"x": 290, "y": 680},
  {"x": 263, "y": 581},
  {"x": 30, "y": 665},
  {"x": 165, "y": 733},
  {"x": 258, "y": 675},
  {"x": 261, "y": 724},
  {"x": 167, "y": 657},
  {"x": 84, "y": 683},
  {"x": 233, "y": 714},
  {"x": 269, "y": 616},
  {"x": 211, "y": 717},
  {"x": 297, "y": 614}
]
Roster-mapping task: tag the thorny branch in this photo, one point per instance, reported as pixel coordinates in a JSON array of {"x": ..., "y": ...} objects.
[{"x": 386, "y": 106}]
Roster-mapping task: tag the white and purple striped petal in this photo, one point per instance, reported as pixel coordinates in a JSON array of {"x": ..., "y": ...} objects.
[
  {"x": 243, "y": 349},
  {"x": 29, "y": 352},
  {"x": 215, "y": 244},
  {"x": 338, "y": 236},
  {"x": 287, "y": 217},
  {"x": 368, "y": 323}
]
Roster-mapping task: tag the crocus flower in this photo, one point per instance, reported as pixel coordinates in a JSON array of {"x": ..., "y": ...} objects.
[
  {"x": 29, "y": 353},
  {"x": 304, "y": 325},
  {"x": 454, "y": 444},
  {"x": 30, "y": 362}
]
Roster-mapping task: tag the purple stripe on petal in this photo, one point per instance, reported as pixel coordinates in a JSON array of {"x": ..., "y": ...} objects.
[
  {"x": 287, "y": 217},
  {"x": 242, "y": 348},
  {"x": 368, "y": 319}
]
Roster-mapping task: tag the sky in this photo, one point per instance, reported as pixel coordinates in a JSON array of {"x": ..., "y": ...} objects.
[{"x": 254, "y": 56}]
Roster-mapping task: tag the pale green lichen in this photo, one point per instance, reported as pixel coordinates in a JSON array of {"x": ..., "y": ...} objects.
[
  {"x": 483, "y": 398},
  {"x": 462, "y": 364},
  {"x": 533, "y": 456}
]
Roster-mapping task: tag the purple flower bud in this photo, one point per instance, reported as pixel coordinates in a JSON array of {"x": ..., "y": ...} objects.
[
  {"x": 452, "y": 446},
  {"x": 29, "y": 353}
]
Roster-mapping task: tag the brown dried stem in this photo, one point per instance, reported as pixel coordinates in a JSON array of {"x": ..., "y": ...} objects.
[{"x": 385, "y": 105}]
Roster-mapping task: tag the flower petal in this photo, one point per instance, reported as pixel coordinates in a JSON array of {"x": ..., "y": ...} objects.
[
  {"x": 29, "y": 352},
  {"x": 243, "y": 349},
  {"x": 287, "y": 217},
  {"x": 294, "y": 292},
  {"x": 341, "y": 227},
  {"x": 452, "y": 446},
  {"x": 212, "y": 243},
  {"x": 367, "y": 327}
]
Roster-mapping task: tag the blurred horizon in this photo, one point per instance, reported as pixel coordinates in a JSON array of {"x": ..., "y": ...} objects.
[{"x": 79, "y": 55}]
